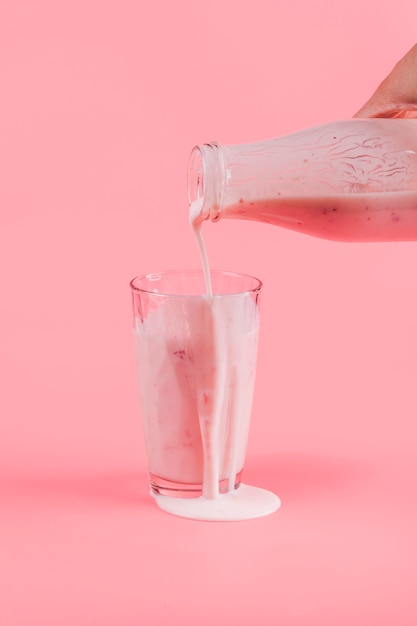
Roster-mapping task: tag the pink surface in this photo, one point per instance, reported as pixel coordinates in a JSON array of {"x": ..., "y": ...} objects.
[{"x": 101, "y": 104}]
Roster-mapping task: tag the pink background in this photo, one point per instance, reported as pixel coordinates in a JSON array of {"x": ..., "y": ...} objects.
[{"x": 101, "y": 103}]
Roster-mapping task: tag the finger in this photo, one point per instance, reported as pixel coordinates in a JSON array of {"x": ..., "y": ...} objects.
[{"x": 396, "y": 96}]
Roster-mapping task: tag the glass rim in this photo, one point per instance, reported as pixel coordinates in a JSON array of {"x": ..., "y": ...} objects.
[{"x": 136, "y": 289}]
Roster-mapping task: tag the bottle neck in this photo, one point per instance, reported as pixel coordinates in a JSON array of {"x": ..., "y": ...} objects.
[{"x": 205, "y": 177}]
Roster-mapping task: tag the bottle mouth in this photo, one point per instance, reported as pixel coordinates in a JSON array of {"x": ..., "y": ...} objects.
[
  {"x": 196, "y": 179},
  {"x": 204, "y": 172}
]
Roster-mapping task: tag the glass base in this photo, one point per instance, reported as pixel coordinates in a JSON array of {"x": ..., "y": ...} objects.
[{"x": 163, "y": 487}]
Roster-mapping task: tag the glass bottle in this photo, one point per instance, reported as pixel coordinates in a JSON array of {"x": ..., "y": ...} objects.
[{"x": 352, "y": 180}]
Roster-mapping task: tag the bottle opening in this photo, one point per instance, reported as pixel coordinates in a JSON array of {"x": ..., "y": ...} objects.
[
  {"x": 204, "y": 180},
  {"x": 195, "y": 175}
]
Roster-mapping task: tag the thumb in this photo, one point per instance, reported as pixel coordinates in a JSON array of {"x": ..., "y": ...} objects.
[{"x": 396, "y": 96}]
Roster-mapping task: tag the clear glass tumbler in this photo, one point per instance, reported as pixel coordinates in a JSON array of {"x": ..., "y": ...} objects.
[{"x": 196, "y": 363}]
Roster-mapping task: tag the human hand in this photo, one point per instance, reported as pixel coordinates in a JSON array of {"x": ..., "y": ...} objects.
[{"x": 396, "y": 96}]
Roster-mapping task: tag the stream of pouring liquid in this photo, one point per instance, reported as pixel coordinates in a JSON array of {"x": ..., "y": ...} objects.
[{"x": 245, "y": 502}]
